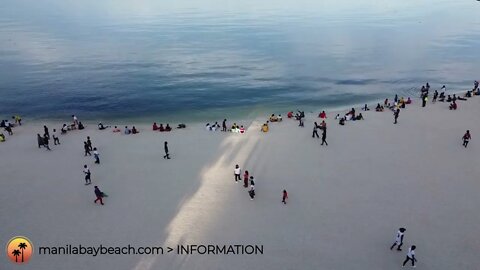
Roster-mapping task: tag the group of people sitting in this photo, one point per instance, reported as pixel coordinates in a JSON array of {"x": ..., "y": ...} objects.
[
  {"x": 349, "y": 116},
  {"x": 237, "y": 129},
  {"x": 161, "y": 128},
  {"x": 128, "y": 131},
  {"x": 274, "y": 118},
  {"x": 8, "y": 126}
]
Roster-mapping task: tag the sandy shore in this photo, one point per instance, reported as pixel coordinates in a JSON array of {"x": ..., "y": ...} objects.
[{"x": 346, "y": 200}]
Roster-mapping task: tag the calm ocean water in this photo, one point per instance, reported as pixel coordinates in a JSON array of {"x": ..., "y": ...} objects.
[{"x": 210, "y": 58}]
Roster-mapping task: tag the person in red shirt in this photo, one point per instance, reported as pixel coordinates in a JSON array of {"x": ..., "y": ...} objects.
[
  {"x": 285, "y": 197},
  {"x": 155, "y": 127},
  {"x": 322, "y": 115},
  {"x": 290, "y": 114},
  {"x": 245, "y": 179}
]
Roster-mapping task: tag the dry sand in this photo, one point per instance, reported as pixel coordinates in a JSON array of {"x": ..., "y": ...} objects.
[{"x": 346, "y": 200}]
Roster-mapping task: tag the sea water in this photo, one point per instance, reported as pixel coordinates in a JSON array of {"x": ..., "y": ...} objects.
[{"x": 185, "y": 59}]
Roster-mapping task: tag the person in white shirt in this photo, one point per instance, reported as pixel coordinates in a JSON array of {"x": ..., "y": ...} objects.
[
  {"x": 410, "y": 256},
  {"x": 96, "y": 155},
  {"x": 55, "y": 137},
  {"x": 237, "y": 173},
  {"x": 207, "y": 127},
  {"x": 87, "y": 173},
  {"x": 399, "y": 239},
  {"x": 75, "y": 120}
]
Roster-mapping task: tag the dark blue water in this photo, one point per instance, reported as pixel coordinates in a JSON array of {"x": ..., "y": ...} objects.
[{"x": 163, "y": 59}]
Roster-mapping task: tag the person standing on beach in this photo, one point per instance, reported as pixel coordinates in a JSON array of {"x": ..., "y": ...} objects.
[
  {"x": 435, "y": 96},
  {"x": 395, "y": 114},
  {"x": 410, "y": 256},
  {"x": 245, "y": 179},
  {"x": 46, "y": 133},
  {"x": 251, "y": 192},
  {"x": 75, "y": 120},
  {"x": 424, "y": 100},
  {"x": 40, "y": 141},
  {"x": 237, "y": 171},
  {"x": 87, "y": 149},
  {"x": 55, "y": 137},
  {"x": 324, "y": 137},
  {"x": 88, "y": 175},
  {"x": 89, "y": 143},
  {"x": 96, "y": 155},
  {"x": 165, "y": 147},
  {"x": 466, "y": 138},
  {"x": 224, "y": 125},
  {"x": 99, "y": 195},
  {"x": 18, "y": 119},
  {"x": 284, "y": 197},
  {"x": 399, "y": 239},
  {"x": 46, "y": 141},
  {"x": 315, "y": 132}
]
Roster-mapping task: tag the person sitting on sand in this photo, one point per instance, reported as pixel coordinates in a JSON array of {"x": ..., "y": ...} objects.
[
  {"x": 379, "y": 108},
  {"x": 80, "y": 126},
  {"x": 235, "y": 128},
  {"x": 342, "y": 121},
  {"x": 181, "y": 126},
  {"x": 322, "y": 115},
  {"x": 161, "y": 128},
  {"x": 208, "y": 127},
  {"x": 116, "y": 129},
  {"x": 2, "y": 137},
  {"x": 337, "y": 116},
  {"x": 273, "y": 118},
  {"x": 279, "y": 118},
  {"x": 461, "y": 98},
  {"x": 155, "y": 127},
  {"x": 409, "y": 101},
  {"x": 168, "y": 128},
  {"x": 127, "y": 131},
  {"x": 242, "y": 130},
  {"x": 265, "y": 127},
  {"x": 290, "y": 114},
  {"x": 2, "y": 124},
  {"x": 102, "y": 127},
  {"x": 134, "y": 130},
  {"x": 477, "y": 93},
  {"x": 359, "y": 117},
  {"x": 468, "y": 94},
  {"x": 64, "y": 129},
  {"x": 449, "y": 98},
  {"x": 453, "y": 105}
]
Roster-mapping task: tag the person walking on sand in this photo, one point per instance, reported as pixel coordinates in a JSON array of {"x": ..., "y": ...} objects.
[
  {"x": 45, "y": 142},
  {"x": 87, "y": 149},
  {"x": 395, "y": 115},
  {"x": 89, "y": 143},
  {"x": 40, "y": 141},
  {"x": 88, "y": 175},
  {"x": 99, "y": 195},
  {"x": 237, "y": 171},
  {"x": 315, "y": 130},
  {"x": 224, "y": 125},
  {"x": 466, "y": 138},
  {"x": 399, "y": 239},
  {"x": 251, "y": 192},
  {"x": 410, "y": 256},
  {"x": 46, "y": 133},
  {"x": 324, "y": 137},
  {"x": 55, "y": 137},
  {"x": 96, "y": 155},
  {"x": 245, "y": 179},
  {"x": 252, "y": 181},
  {"x": 284, "y": 197},
  {"x": 165, "y": 147}
]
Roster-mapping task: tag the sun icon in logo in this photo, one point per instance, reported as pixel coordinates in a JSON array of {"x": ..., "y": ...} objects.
[{"x": 19, "y": 249}]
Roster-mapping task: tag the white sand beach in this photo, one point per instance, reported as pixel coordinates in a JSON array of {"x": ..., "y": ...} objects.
[{"x": 346, "y": 200}]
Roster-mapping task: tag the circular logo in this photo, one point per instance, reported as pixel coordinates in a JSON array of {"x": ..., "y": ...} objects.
[{"x": 19, "y": 249}]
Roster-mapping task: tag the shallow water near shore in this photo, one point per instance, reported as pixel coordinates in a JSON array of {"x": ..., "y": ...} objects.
[{"x": 211, "y": 59}]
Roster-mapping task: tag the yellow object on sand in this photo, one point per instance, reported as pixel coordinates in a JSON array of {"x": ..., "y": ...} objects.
[{"x": 265, "y": 128}]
